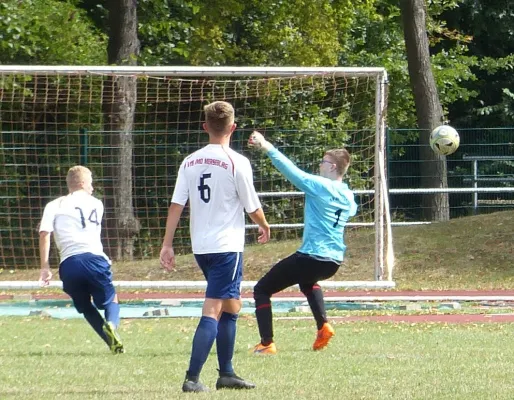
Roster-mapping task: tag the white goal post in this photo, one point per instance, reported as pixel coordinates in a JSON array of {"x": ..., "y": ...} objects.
[{"x": 133, "y": 125}]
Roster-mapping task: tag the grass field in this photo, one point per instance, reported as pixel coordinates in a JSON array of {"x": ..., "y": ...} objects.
[
  {"x": 63, "y": 359},
  {"x": 49, "y": 359},
  {"x": 474, "y": 252}
]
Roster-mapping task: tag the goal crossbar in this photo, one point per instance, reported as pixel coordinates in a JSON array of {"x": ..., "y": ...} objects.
[{"x": 194, "y": 71}]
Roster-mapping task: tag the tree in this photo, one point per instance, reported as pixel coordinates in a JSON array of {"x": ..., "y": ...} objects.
[
  {"x": 119, "y": 102},
  {"x": 428, "y": 108}
]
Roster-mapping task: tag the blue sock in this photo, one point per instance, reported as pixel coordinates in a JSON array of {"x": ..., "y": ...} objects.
[
  {"x": 112, "y": 313},
  {"x": 225, "y": 341},
  {"x": 94, "y": 318},
  {"x": 202, "y": 343}
]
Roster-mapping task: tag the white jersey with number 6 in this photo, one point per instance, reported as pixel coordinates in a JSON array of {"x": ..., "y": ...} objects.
[
  {"x": 218, "y": 182},
  {"x": 76, "y": 223}
]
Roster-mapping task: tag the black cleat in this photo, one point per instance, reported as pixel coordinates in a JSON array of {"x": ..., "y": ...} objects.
[
  {"x": 193, "y": 385},
  {"x": 232, "y": 381}
]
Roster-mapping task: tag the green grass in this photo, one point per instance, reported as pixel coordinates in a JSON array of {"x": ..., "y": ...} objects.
[
  {"x": 474, "y": 252},
  {"x": 49, "y": 359}
]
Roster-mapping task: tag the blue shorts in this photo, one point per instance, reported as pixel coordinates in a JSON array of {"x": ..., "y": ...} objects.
[
  {"x": 223, "y": 272},
  {"x": 87, "y": 275}
]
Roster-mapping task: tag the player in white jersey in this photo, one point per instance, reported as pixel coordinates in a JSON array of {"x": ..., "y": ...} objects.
[
  {"x": 329, "y": 203},
  {"x": 75, "y": 221},
  {"x": 218, "y": 183}
]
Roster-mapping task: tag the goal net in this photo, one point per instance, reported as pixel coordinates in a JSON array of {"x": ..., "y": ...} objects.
[{"x": 132, "y": 126}]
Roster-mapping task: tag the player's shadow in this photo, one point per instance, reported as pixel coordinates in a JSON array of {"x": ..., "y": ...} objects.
[
  {"x": 156, "y": 354},
  {"x": 102, "y": 394}
]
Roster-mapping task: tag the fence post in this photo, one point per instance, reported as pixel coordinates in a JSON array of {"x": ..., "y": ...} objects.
[{"x": 475, "y": 185}]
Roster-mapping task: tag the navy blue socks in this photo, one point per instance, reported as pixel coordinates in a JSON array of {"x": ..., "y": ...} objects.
[
  {"x": 225, "y": 341},
  {"x": 202, "y": 343}
]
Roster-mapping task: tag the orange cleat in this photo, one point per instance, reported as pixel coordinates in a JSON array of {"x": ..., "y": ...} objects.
[
  {"x": 324, "y": 335},
  {"x": 270, "y": 349}
]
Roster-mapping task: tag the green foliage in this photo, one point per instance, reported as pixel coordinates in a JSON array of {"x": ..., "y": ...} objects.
[
  {"x": 270, "y": 32},
  {"x": 490, "y": 23},
  {"x": 451, "y": 68},
  {"x": 48, "y": 32},
  {"x": 505, "y": 109},
  {"x": 166, "y": 30},
  {"x": 251, "y": 32},
  {"x": 299, "y": 32},
  {"x": 377, "y": 40},
  {"x": 494, "y": 65},
  {"x": 287, "y": 33}
]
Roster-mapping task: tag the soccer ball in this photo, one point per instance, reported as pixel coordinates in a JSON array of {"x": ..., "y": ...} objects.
[{"x": 444, "y": 140}]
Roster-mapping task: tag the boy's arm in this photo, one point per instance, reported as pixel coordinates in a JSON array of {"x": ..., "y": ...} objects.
[
  {"x": 178, "y": 201},
  {"x": 44, "y": 257},
  {"x": 250, "y": 200},
  {"x": 167, "y": 256},
  {"x": 304, "y": 181},
  {"x": 259, "y": 218},
  {"x": 46, "y": 227}
]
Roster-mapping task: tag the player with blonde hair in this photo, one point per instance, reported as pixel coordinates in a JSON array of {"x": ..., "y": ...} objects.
[
  {"x": 329, "y": 203},
  {"x": 85, "y": 270},
  {"x": 218, "y": 183}
]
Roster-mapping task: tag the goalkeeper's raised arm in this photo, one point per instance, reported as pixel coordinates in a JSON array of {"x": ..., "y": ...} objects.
[
  {"x": 294, "y": 174},
  {"x": 333, "y": 169}
]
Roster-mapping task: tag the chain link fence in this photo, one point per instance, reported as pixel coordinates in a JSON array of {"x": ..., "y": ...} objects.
[{"x": 485, "y": 159}]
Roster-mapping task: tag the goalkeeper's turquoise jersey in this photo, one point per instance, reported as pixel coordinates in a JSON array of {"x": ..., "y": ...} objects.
[{"x": 328, "y": 206}]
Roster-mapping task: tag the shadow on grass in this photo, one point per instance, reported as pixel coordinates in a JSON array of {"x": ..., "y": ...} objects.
[
  {"x": 75, "y": 391},
  {"x": 102, "y": 355}
]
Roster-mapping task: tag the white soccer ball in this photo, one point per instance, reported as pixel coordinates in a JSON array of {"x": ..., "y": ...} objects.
[{"x": 444, "y": 140}]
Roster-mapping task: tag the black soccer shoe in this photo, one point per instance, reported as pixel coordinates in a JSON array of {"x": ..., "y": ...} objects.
[
  {"x": 232, "y": 381},
  {"x": 193, "y": 385}
]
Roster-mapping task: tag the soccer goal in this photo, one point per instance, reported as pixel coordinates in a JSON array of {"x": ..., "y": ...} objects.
[{"x": 132, "y": 126}]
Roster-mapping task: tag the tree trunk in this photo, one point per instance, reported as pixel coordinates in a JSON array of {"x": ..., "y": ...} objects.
[
  {"x": 428, "y": 108},
  {"x": 119, "y": 101}
]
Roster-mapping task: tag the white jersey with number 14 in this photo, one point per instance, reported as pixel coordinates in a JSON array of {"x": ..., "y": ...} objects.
[
  {"x": 218, "y": 182},
  {"x": 76, "y": 223}
]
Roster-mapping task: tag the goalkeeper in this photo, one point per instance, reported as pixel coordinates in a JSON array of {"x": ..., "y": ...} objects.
[{"x": 329, "y": 203}]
